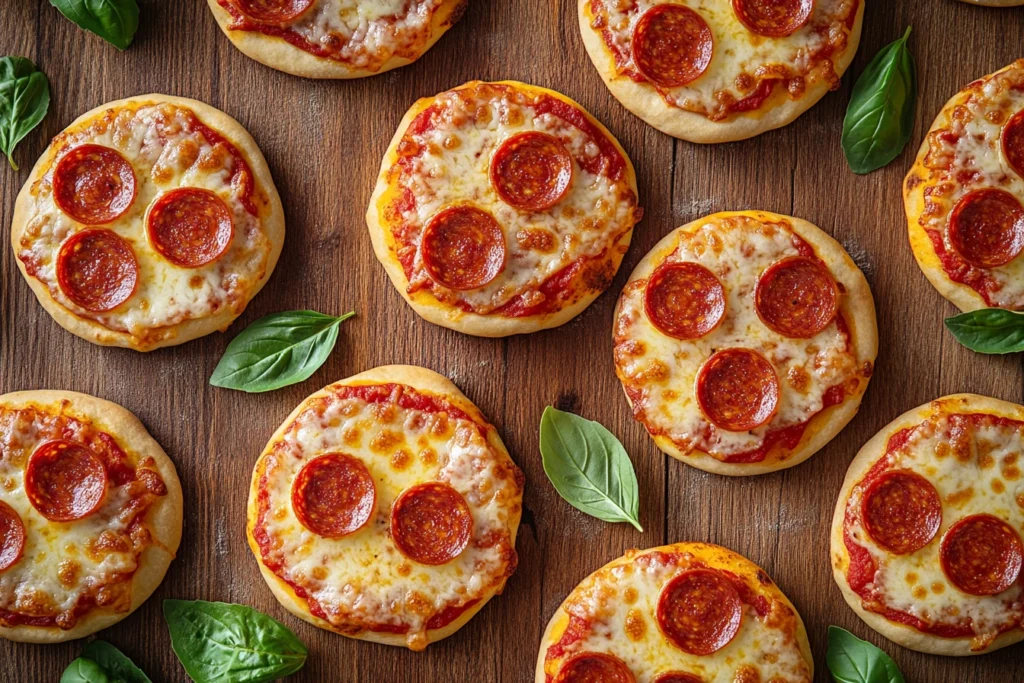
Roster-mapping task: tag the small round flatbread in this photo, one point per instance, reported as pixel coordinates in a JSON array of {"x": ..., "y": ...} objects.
[
  {"x": 90, "y": 515},
  {"x": 335, "y": 38},
  {"x": 722, "y": 71},
  {"x": 744, "y": 341},
  {"x": 385, "y": 508},
  {"x": 502, "y": 208},
  {"x": 927, "y": 533},
  {"x": 148, "y": 222},
  {"x": 680, "y": 613}
]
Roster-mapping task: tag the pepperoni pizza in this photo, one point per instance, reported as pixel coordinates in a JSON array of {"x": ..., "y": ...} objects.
[
  {"x": 715, "y": 71},
  {"x": 148, "y": 222},
  {"x": 964, "y": 196},
  {"x": 682, "y": 613},
  {"x": 744, "y": 341},
  {"x": 90, "y": 515},
  {"x": 335, "y": 38},
  {"x": 385, "y": 508},
  {"x": 502, "y": 208},
  {"x": 926, "y": 537}
]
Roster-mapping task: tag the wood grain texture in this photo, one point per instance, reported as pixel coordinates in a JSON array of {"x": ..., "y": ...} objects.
[{"x": 324, "y": 141}]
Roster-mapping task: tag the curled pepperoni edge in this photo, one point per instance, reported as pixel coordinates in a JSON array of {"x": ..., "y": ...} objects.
[
  {"x": 658, "y": 277},
  {"x": 933, "y": 514},
  {"x": 360, "y": 512},
  {"x": 796, "y": 20},
  {"x": 706, "y": 47},
  {"x": 732, "y": 612},
  {"x": 12, "y": 544},
  {"x": 559, "y": 159},
  {"x": 32, "y": 474},
  {"x": 677, "y": 677},
  {"x": 68, "y": 288},
  {"x": 255, "y": 9},
  {"x": 703, "y": 395},
  {"x": 111, "y": 155},
  {"x": 1013, "y": 150},
  {"x": 956, "y": 226},
  {"x": 489, "y": 272},
  {"x": 610, "y": 668},
  {"x": 1010, "y": 573},
  {"x": 173, "y": 253},
  {"x": 762, "y": 292},
  {"x": 455, "y": 504}
]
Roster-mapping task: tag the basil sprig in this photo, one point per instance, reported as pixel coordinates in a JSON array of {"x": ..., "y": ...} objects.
[
  {"x": 852, "y": 660},
  {"x": 589, "y": 467},
  {"x": 277, "y": 350},
  {"x": 24, "y": 100},
  {"x": 880, "y": 116},
  {"x": 219, "y": 642},
  {"x": 101, "y": 662},
  {"x": 115, "y": 21},
  {"x": 989, "y": 330}
]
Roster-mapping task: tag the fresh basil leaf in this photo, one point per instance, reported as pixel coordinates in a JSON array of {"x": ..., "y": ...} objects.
[
  {"x": 852, "y": 660},
  {"x": 84, "y": 670},
  {"x": 989, "y": 330},
  {"x": 24, "y": 100},
  {"x": 115, "y": 21},
  {"x": 880, "y": 116},
  {"x": 118, "y": 667},
  {"x": 277, "y": 350},
  {"x": 222, "y": 643},
  {"x": 589, "y": 467}
]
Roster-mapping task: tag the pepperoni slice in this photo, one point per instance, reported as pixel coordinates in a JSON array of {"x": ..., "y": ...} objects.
[
  {"x": 1013, "y": 142},
  {"x": 97, "y": 270},
  {"x": 431, "y": 523},
  {"x": 982, "y": 555},
  {"x": 700, "y": 611},
  {"x": 738, "y": 390},
  {"x": 594, "y": 667},
  {"x": 672, "y": 45},
  {"x": 12, "y": 536},
  {"x": 773, "y": 18},
  {"x": 65, "y": 481},
  {"x": 333, "y": 495},
  {"x": 684, "y": 300},
  {"x": 463, "y": 247},
  {"x": 190, "y": 227},
  {"x": 93, "y": 184},
  {"x": 986, "y": 227},
  {"x": 902, "y": 511},
  {"x": 531, "y": 171},
  {"x": 796, "y": 297},
  {"x": 678, "y": 677},
  {"x": 274, "y": 11}
]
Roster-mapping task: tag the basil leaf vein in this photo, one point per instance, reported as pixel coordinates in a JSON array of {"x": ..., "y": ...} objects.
[
  {"x": 880, "y": 116},
  {"x": 115, "y": 21},
  {"x": 989, "y": 330},
  {"x": 84, "y": 670},
  {"x": 24, "y": 101},
  {"x": 588, "y": 467},
  {"x": 852, "y": 660},
  {"x": 277, "y": 350},
  {"x": 218, "y": 642}
]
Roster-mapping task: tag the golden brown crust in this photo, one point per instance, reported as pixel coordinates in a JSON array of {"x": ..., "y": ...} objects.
[
  {"x": 283, "y": 56},
  {"x": 418, "y": 378},
  {"x": 187, "y": 330},
  {"x": 868, "y": 455},
  {"x": 423, "y": 302},
  {"x": 164, "y": 516},
  {"x": 857, "y": 307},
  {"x": 645, "y": 102}
]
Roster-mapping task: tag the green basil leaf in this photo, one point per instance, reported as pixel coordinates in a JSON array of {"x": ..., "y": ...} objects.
[
  {"x": 880, "y": 116},
  {"x": 989, "y": 330},
  {"x": 118, "y": 667},
  {"x": 84, "y": 670},
  {"x": 277, "y": 350},
  {"x": 115, "y": 21},
  {"x": 222, "y": 643},
  {"x": 24, "y": 100},
  {"x": 852, "y": 660},
  {"x": 589, "y": 467}
]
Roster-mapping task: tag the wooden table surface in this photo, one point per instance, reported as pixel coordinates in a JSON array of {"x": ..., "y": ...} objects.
[{"x": 324, "y": 142}]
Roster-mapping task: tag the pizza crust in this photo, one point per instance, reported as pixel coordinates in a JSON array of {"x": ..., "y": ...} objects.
[
  {"x": 713, "y": 555},
  {"x": 273, "y": 225},
  {"x": 423, "y": 302},
  {"x": 857, "y": 307},
  {"x": 279, "y": 54},
  {"x": 645, "y": 102},
  {"x": 869, "y": 453},
  {"x": 164, "y": 516},
  {"x": 417, "y": 378}
]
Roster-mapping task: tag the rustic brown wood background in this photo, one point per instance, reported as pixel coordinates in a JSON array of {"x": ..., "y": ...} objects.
[{"x": 324, "y": 141}]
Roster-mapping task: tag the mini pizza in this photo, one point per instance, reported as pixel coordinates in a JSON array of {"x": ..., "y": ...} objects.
[
  {"x": 385, "y": 508},
  {"x": 502, "y": 208},
  {"x": 335, "y": 38},
  {"x": 681, "y": 613},
  {"x": 744, "y": 341},
  {"x": 964, "y": 195},
  {"x": 926, "y": 537},
  {"x": 715, "y": 71},
  {"x": 90, "y": 515},
  {"x": 148, "y": 222}
]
